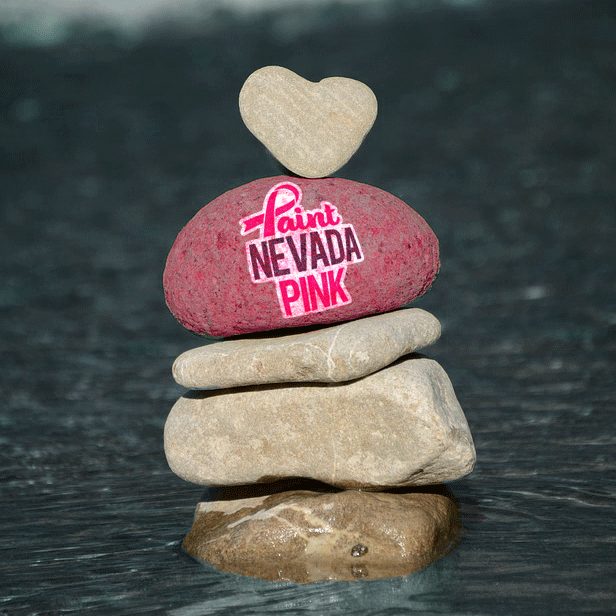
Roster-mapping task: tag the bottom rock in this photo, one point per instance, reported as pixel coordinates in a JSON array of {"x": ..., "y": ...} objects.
[{"x": 306, "y": 536}]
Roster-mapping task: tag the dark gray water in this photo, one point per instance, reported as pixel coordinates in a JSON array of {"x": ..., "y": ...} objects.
[{"x": 498, "y": 127}]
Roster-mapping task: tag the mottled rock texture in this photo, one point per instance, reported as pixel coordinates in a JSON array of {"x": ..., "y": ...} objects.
[
  {"x": 304, "y": 536},
  {"x": 311, "y": 128},
  {"x": 400, "y": 426},
  {"x": 329, "y": 354},
  {"x": 289, "y": 252}
]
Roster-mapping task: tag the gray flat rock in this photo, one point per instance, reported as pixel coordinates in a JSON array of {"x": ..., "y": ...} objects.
[
  {"x": 400, "y": 426},
  {"x": 332, "y": 354},
  {"x": 303, "y": 536}
]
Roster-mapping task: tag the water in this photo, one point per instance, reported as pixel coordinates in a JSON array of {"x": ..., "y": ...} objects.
[{"x": 108, "y": 149}]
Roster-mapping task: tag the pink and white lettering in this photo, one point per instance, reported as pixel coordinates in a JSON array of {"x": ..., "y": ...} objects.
[{"x": 305, "y": 253}]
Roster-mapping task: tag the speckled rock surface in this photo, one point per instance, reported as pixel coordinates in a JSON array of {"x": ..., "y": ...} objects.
[
  {"x": 288, "y": 252},
  {"x": 303, "y": 536},
  {"x": 401, "y": 426},
  {"x": 311, "y": 128},
  {"x": 330, "y": 354}
]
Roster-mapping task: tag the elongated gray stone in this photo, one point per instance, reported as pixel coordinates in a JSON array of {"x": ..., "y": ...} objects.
[
  {"x": 331, "y": 354},
  {"x": 304, "y": 536},
  {"x": 400, "y": 426}
]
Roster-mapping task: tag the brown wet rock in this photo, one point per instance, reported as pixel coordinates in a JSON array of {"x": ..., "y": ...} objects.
[{"x": 306, "y": 536}]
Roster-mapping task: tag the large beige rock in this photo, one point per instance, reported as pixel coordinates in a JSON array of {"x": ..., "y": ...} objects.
[
  {"x": 331, "y": 354},
  {"x": 311, "y": 128},
  {"x": 400, "y": 426},
  {"x": 304, "y": 536}
]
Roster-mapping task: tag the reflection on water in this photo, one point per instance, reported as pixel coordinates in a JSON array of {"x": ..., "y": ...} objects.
[{"x": 245, "y": 596}]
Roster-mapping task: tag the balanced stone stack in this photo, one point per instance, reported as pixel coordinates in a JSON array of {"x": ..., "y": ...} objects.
[{"x": 325, "y": 439}]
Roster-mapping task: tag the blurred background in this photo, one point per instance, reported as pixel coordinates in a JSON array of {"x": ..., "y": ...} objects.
[
  {"x": 119, "y": 121},
  {"x": 46, "y": 21}
]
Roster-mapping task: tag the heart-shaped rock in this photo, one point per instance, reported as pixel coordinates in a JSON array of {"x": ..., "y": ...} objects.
[{"x": 312, "y": 129}]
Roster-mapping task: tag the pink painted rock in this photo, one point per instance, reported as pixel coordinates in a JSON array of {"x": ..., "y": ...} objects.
[{"x": 289, "y": 252}]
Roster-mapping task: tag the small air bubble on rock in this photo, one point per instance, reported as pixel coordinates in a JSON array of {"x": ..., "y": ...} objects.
[{"x": 359, "y": 550}]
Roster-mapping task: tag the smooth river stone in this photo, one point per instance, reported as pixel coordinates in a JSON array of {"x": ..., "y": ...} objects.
[
  {"x": 363, "y": 252},
  {"x": 331, "y": 354},
  {"x": 400, "y": 426},
  {"x": 312, "y": 129},
  {"x": 302, "y": 537}
]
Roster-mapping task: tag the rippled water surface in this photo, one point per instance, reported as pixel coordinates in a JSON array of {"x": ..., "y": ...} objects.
[{"x": 497, "y": 126}]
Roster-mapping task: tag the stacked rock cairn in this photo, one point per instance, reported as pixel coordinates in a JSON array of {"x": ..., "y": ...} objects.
[{"x": 323, "y": 438}]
